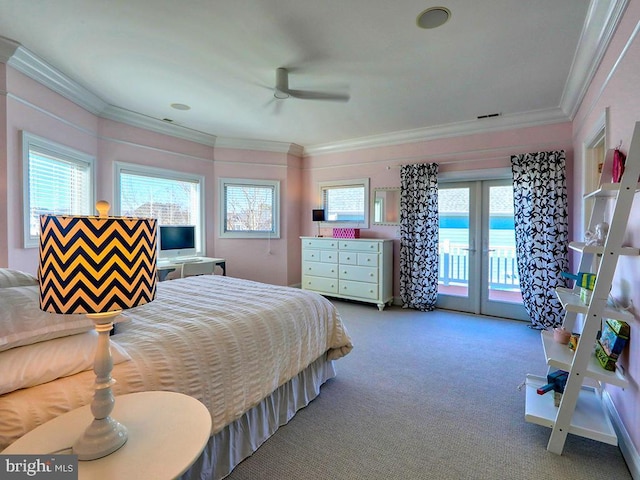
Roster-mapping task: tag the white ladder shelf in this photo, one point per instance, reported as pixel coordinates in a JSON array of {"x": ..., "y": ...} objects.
[{"x": 581, "y": 411}]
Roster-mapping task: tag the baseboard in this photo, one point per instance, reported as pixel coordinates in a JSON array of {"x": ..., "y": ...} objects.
[{"x": 628, "y": 449}]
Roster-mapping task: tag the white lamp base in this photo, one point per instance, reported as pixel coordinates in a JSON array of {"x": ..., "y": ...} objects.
[{"x": 104, "y": 435}]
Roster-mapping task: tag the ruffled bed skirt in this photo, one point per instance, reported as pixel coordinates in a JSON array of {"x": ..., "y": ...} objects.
[{"x": 241, "y": 438}]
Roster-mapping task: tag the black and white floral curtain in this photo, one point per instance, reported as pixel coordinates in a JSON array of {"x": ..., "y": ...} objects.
[
  {"x": 419, "y": 236},
  {"x": 542, "y": 232}
]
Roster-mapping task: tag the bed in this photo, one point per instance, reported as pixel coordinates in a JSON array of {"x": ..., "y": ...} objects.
[{"x": 252, "y": 353}]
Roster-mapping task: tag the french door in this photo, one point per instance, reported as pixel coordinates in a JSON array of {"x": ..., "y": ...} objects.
[{"x": 478, "y": 271}]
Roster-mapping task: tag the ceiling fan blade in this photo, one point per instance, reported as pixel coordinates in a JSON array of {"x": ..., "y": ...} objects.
[
  {"x": 282, "y": 83},
  {"x": 283, "y": 91},
  {"x": 309, "y": 95}
]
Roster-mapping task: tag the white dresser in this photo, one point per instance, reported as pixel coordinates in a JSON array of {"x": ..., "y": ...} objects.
[{"x": 357, "y": 269}]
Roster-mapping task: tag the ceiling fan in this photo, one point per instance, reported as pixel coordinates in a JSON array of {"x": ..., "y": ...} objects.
[{"x": 283, "y": 91}]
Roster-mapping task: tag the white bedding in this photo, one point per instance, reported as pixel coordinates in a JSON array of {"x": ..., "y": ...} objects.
[{"x": 225, "y": 341}]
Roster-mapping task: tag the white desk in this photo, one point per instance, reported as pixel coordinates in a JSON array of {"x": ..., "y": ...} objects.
[
  {"x": 167, "y": 433},
  {"x": 165, "y": 267}
]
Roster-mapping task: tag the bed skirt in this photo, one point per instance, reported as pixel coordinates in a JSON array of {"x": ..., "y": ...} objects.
[{"x": 241, "y": 438}]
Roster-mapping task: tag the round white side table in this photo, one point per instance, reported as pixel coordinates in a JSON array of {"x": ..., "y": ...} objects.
[{"x": 167, "y": 433}]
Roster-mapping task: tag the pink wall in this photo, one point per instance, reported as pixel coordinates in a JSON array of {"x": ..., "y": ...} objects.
[
  {"x": 381, "y": 166},
  {"x": 615, "y": 86},
  {"x": 122, "y": 143},
  {"x": 34, "y": 108},
  {"x": 262, "y": 259},
  {"x": 4, "y": 234}
]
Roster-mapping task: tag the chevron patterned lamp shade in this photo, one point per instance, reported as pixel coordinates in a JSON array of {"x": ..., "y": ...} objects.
[{"x": 98, "y": 266}]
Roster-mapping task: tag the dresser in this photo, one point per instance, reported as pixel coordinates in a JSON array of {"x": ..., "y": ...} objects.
[{"x": 356, "y": 269}]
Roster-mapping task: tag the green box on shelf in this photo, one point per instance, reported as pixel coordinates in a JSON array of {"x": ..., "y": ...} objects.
[
  {"x": 615, "y": 334},
  {"x": 606, "y": 361}
]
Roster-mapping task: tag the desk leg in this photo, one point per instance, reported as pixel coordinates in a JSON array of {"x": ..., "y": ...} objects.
[
  {"x": 162, "y": 274},
  {"x": 223, "y": 266}
]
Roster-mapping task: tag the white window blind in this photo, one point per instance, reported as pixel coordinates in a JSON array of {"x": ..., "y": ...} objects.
[
  {"x": 172, "y": 202},
  {"x": 173, "y": 198},
  {"x": 249, "y": 208},
  {"x": 58, "y": 181}
]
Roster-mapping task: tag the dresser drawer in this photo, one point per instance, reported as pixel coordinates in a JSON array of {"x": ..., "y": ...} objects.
[
  {"x": 361, "y": 245},
  {"x": 320, "y": 284},
  {"x": 368, "y": 259},
  {"x": 348, "y": 258},
  {"x": 358, "y": 289},
  {"x": 329, "y": 256},
  {"x": 360, "y": 274},
  {"x": 320, "y": 269},
  {"x": 311, "y": 255},
  {"x": 322, "y": 243}
]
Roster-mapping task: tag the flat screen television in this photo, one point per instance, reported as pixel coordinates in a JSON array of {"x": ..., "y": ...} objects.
[{"x": 177, "y": 241}]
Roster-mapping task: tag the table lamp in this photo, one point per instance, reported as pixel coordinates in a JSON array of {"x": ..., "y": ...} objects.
[
  {"x": 98, "y": 266},
  {"x": 318, "y": 216}
]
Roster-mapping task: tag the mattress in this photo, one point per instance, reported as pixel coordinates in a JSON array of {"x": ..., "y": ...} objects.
[{"x": 227, "y": 342}]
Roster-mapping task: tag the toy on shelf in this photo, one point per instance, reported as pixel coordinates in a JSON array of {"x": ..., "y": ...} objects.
[
  {"x": 561, "y": 335},
  {"x": 598, "y": 235},
  {"x": 586, "y": 282},
  {"x": 583, "y": 280},
  {"x": 615, "y": 334},
  {"x": 556, "y": 381}
]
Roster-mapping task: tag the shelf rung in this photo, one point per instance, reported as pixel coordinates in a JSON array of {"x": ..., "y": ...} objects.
[
  {"x": 561, "y": 356},
  {"x": 589, "y": 418},
  {"x": 571, "y": 302},
  {"x": 599, "y": 249}
]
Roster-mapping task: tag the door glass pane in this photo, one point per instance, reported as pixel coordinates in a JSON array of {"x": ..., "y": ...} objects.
[
  {"x": 504, "y": 282},
  {"x": 453, "y": 210}
]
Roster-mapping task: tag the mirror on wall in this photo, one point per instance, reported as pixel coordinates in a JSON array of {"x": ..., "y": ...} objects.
[{"x": 386, "y": 206}]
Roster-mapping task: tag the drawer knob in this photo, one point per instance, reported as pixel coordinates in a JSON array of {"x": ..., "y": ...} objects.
[{"x": 368, "y": 259}]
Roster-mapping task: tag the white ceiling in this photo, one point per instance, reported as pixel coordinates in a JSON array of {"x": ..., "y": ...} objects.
[{"x": 512, "y": 57}]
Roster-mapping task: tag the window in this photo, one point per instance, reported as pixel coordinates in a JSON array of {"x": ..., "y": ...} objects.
[
  {"x": 249, "y": 208},
  {"x": 57, "y": 180},
  {"x": 346, "y": 202},
  {"x": 174, "y": 198}
]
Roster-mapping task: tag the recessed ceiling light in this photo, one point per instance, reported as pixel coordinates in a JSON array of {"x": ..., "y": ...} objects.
[
  {"x": 433, "y": 17},
  {"x": 180, "y": 106}
]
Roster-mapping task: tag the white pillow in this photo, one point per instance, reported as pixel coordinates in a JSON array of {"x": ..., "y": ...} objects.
[
  {"x": 43, "y": 362},
  {"x": 15, "y": 278},
  {"x": 23, "y": 323}
]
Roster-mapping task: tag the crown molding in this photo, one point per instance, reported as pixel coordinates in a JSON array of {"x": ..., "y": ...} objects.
[
  {"x": 7, "y": 48},
  {"x": 37, "y": 69},
  {"x": 260, "y": 145},
  {"x": 598, "y": 29},
  {"x": 34, "y": 67},
  {"x": 486, "y": 125},
  {"x": 153, "y": 124}
]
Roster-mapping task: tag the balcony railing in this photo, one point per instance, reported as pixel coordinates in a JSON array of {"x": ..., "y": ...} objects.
[{"x": 503, "y": 268}]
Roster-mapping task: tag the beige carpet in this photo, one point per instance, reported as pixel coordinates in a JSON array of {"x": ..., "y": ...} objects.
[{"x": 428, "y": 396}]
